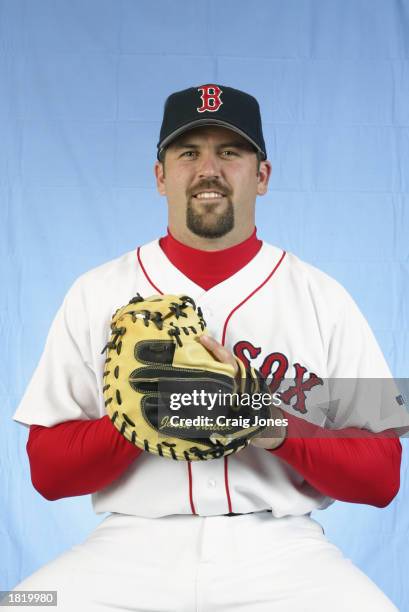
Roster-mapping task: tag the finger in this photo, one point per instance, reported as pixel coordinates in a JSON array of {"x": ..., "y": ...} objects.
[
  {"x": 273, "y": 436},
  {"x": 220, "y": 352},
  {"x": 268, "y": 443}
]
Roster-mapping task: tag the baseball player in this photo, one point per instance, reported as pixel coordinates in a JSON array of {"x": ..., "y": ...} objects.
[{"x": 234, "y": 532}]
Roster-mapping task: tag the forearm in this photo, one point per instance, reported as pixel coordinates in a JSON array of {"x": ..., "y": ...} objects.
[
  {"x": 351, "y": 465},
  {"x": 77, "y": 457}
]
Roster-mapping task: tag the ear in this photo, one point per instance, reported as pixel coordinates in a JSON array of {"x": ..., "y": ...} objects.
[
  {"x": 263, "y": 177},
  {"x": 160, "y": 177}
]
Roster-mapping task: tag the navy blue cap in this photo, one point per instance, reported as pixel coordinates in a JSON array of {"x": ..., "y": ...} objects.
[{"x": 212, "y": 105}]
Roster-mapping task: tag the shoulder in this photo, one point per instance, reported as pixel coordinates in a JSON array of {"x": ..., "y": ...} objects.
[
  {"x": 113, "y": 269},
  {"x": 101, "y": 284},
  {"x": 315, "y": 278},
  {"x": 317, "y": 292},
  {"x": 305, "y": 276}
]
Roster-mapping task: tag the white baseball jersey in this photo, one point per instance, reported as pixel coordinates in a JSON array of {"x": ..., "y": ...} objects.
[{"x": 285, "y": 317}]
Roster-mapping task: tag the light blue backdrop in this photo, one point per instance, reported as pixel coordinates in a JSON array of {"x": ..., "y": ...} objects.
[{"x": 82, "y": 85}]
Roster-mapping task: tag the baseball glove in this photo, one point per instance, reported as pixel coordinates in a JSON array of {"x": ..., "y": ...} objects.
[{"x": 152, "y": 357}]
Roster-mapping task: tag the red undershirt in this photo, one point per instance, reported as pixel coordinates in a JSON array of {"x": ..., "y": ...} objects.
[
  {"x": 209, "y": 268},
  {"x": 82, "y": 457}
]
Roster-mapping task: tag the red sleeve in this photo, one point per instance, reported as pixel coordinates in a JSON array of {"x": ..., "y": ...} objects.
[
  {"x": 77, "y": 457},
  {"x": 351, "y": 464}
]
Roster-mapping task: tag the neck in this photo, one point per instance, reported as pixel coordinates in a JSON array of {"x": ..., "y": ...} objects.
[
  {"x": 211, "y": 267},
  {"x": 188, "y": 238}
]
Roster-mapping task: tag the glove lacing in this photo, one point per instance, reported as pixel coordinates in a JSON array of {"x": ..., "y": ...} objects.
[{"x": 157, "y": 319}]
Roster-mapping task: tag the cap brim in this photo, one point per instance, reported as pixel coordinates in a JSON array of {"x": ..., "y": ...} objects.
[{"x": 198, "y": 123}]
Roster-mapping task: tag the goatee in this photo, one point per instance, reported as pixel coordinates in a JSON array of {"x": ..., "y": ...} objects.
[{"x": 201, "y": 224}]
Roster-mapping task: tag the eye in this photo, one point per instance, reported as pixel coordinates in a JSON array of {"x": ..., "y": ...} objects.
[
  {"x": 190, "y": 154},
  {"x": 229, "y": 153}
]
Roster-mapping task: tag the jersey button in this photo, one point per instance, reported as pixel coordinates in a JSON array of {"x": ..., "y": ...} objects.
[{"x": 211, "y": 483}]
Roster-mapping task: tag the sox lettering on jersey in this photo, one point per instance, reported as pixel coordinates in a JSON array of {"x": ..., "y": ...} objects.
[
  {"x": 210, "y": 98},
  {"x": 298, "y": 390}
]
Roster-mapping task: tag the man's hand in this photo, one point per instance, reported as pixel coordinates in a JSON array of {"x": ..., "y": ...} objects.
[
  {"x": 272, "y": 437},
  {"x": 220, "y": 352}
]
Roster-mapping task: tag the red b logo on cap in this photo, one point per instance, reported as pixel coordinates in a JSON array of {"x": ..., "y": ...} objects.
[{"x": 210, "y": 98}]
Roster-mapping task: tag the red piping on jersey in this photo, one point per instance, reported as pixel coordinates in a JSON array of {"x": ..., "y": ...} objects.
[
  {"x": 249, "y": 296},
  {"x": 192, "y": 504},
  {"x": 189, "y": 467},
  {"x": 226, "y": 464},
  {"x": 226, "y": 483},
  {"x": 138, "y": 254}
]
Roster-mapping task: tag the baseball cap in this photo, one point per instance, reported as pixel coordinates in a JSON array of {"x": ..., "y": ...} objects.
[{"x": 212, "y": 104}]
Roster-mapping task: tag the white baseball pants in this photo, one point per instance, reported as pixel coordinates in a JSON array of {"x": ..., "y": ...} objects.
[{"x": 251, "y": 563}]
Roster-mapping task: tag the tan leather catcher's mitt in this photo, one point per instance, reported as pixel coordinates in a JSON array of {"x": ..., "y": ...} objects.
[{"x": 153, "y": 356}]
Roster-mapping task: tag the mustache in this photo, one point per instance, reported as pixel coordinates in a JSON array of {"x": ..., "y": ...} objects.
[{"x": 213, "y": 184}]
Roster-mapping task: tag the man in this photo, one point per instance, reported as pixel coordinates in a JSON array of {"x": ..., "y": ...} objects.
[{"x": 234, "y": 532}]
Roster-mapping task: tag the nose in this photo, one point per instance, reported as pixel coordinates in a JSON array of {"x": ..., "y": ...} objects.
[{"x": 209, "y": 165}]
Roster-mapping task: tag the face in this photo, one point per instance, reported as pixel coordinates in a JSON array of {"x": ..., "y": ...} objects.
[{"x": 211, "y": 178}]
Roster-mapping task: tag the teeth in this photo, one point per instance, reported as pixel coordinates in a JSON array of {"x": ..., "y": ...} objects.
[{"x": 207, "y": 195}]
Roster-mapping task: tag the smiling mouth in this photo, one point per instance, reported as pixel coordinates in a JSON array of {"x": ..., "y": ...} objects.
[{"x": 209, "y": 195}]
